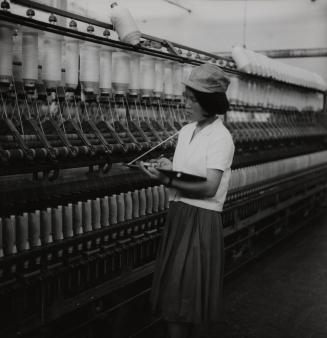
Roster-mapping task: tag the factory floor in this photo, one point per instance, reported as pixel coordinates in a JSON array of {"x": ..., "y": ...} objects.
[{"x": 281, "y": 295}]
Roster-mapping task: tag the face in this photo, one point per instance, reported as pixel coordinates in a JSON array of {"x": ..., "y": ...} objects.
[{"x": 192, "y": 107}]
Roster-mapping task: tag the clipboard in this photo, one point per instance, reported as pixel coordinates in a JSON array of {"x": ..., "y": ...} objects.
[{"x": 182, "y": 176}]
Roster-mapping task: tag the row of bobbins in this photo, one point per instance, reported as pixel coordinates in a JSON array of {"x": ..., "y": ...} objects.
[{"x": 40, "y": 227}]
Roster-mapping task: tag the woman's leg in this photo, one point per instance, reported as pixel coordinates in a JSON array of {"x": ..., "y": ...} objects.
[{"x": 178, "y": 330}]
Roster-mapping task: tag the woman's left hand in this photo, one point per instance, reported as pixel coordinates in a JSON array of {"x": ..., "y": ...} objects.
[{"x": 154, "y": 173}]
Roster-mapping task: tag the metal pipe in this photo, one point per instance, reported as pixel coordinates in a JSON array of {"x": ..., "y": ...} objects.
[
  {"x": 287, "y": 53},
  {"x": 295, "y": 53}
]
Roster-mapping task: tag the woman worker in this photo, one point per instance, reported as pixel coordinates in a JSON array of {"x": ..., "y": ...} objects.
[{"x": 187, "y": 285}]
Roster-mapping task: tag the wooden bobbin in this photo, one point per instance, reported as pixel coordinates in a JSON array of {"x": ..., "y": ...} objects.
[
  {"x": 128, "y": 206},
  {"x": 22, "y": 242},
  {"x": 1, "y": 238},
  {"x": 149, "y": 200},
  {"x": 9, "y": 235},
  {"x": 166, "y": 198},
  {"x": 77, "y": 218},
  {"x": 56, "y": 217},
  {"x": 96, "y": 214},
  {"x": 142, "y": 199},
  {"x": 155, "y": 193},
  {"x": 67, "y": 220},
  {"x": 34, "y": 228},
  {"x": 104, "y": 206},
  {"x": 120, "y": 208},
  {"x": 161, "y": 191},
  {"x": 136, "y": 204},
  {"x": 46, "y": 226},
  {"x": 87, "y": 216},
  {"x": 113, "y": 209}
]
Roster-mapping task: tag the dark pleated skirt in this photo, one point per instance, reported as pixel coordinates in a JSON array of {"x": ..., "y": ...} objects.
[{"x": 188, "y": 277}]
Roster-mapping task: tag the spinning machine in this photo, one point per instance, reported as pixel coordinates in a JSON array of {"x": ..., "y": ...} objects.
[{"x": 79, "y": 231}]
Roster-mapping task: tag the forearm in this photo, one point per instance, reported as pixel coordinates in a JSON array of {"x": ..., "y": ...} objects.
[
  {"x": 203, "y": 189},
  {"x": 193, "y": 189}
]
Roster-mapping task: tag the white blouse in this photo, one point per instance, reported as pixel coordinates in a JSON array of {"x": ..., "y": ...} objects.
[{"x": 212, "y": 148}]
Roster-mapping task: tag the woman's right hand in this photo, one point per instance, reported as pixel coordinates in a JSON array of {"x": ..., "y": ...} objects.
[{"x": 164, "y": 163}]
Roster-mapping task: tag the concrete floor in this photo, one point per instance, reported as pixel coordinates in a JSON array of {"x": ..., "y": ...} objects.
[{"x": 281, "y": 295}]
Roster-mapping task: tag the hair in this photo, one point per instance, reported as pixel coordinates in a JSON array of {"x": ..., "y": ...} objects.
[{"x": 211, "y": 103}]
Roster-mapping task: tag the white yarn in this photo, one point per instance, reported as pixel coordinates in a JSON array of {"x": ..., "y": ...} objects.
[
  {"x": 6, "y": 51},
  {"x": 30, "y": 55},
  {"x": 125, "y": 25},
  {"x": 241, "y": 58},
  {"x": 135, "y": 73},
  {"x": 177, "y": 79},
  {"x": 51, "y": 66},
  {"x": 105, "y": 69},
  {"x": 233, "y": 90},
  {"x": 121, "y": 71},
  {"x": 255, "y": 63},
  {"x": 90, "y": 66},
  {"x": 187, "y": 69},
  {"x": 168, "y": 79},
  {"x": 71, "y": 63},
  {"x": 18, "y": 57},
  {"x": 147, "y": 74},
  {"x": 159, "y": 76}
]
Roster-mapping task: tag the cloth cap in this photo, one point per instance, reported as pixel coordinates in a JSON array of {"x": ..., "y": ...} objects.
[{"x": 207, "y": 78}]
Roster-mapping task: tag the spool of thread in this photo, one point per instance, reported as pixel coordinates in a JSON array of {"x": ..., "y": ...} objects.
[
  {"x": 46, "y": 226},
  {"x": 22, "y": 242},
  {"x": 34, "y": 228},
  {"x": 51, "y": 63},
  {"x": 187, "y": 69},
  {"x": 168, "y": 80},
  {"x": 233, "y": 90},
  {"x": 161, "y": 191},
  {"x": 166, "y": 198},
  {"x": 128, "y": 206},
  {"x": 30, "y": 52},
  {"x": 105, "y": 70},
  {"x": 71, "y": 63},
  {"x": 63, "y": 71},
  {"x": 6, "y": 52},
  {"x": 87, "y": 216},
  {"x": 113, "y": 209},
  {"x": 147, "y": 76},
  {"x": 121, "y": 72},
  {"x": 142, "y": 199},
  {"x": 77, "y": 218},
  {"x": 9, "y": 235},
  {"x": 18, "y": 57},
  {"x": 241, "y": 59},
  {"x": 56, "y": 220},
  {"x": 134, "y": 86},
  {"x": 149, "y": 200},
  {"x": 40, "y": 56},
  {"x": 1, "y": 238},
  {"x": 155, "y": 193},
  {"x": 67, "y": 218},
  {"x": 159, "y": 77},
  {"x": 104, "y": 206},
  {"x": 120, "y": 208},
  {"x": 136, "y": 204},
  {"x": 124, "y": 24},
  {"x": 90, "y": 67},
  {"x": 96, "y": 214},
  {"x": 177, "y": 80}
]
